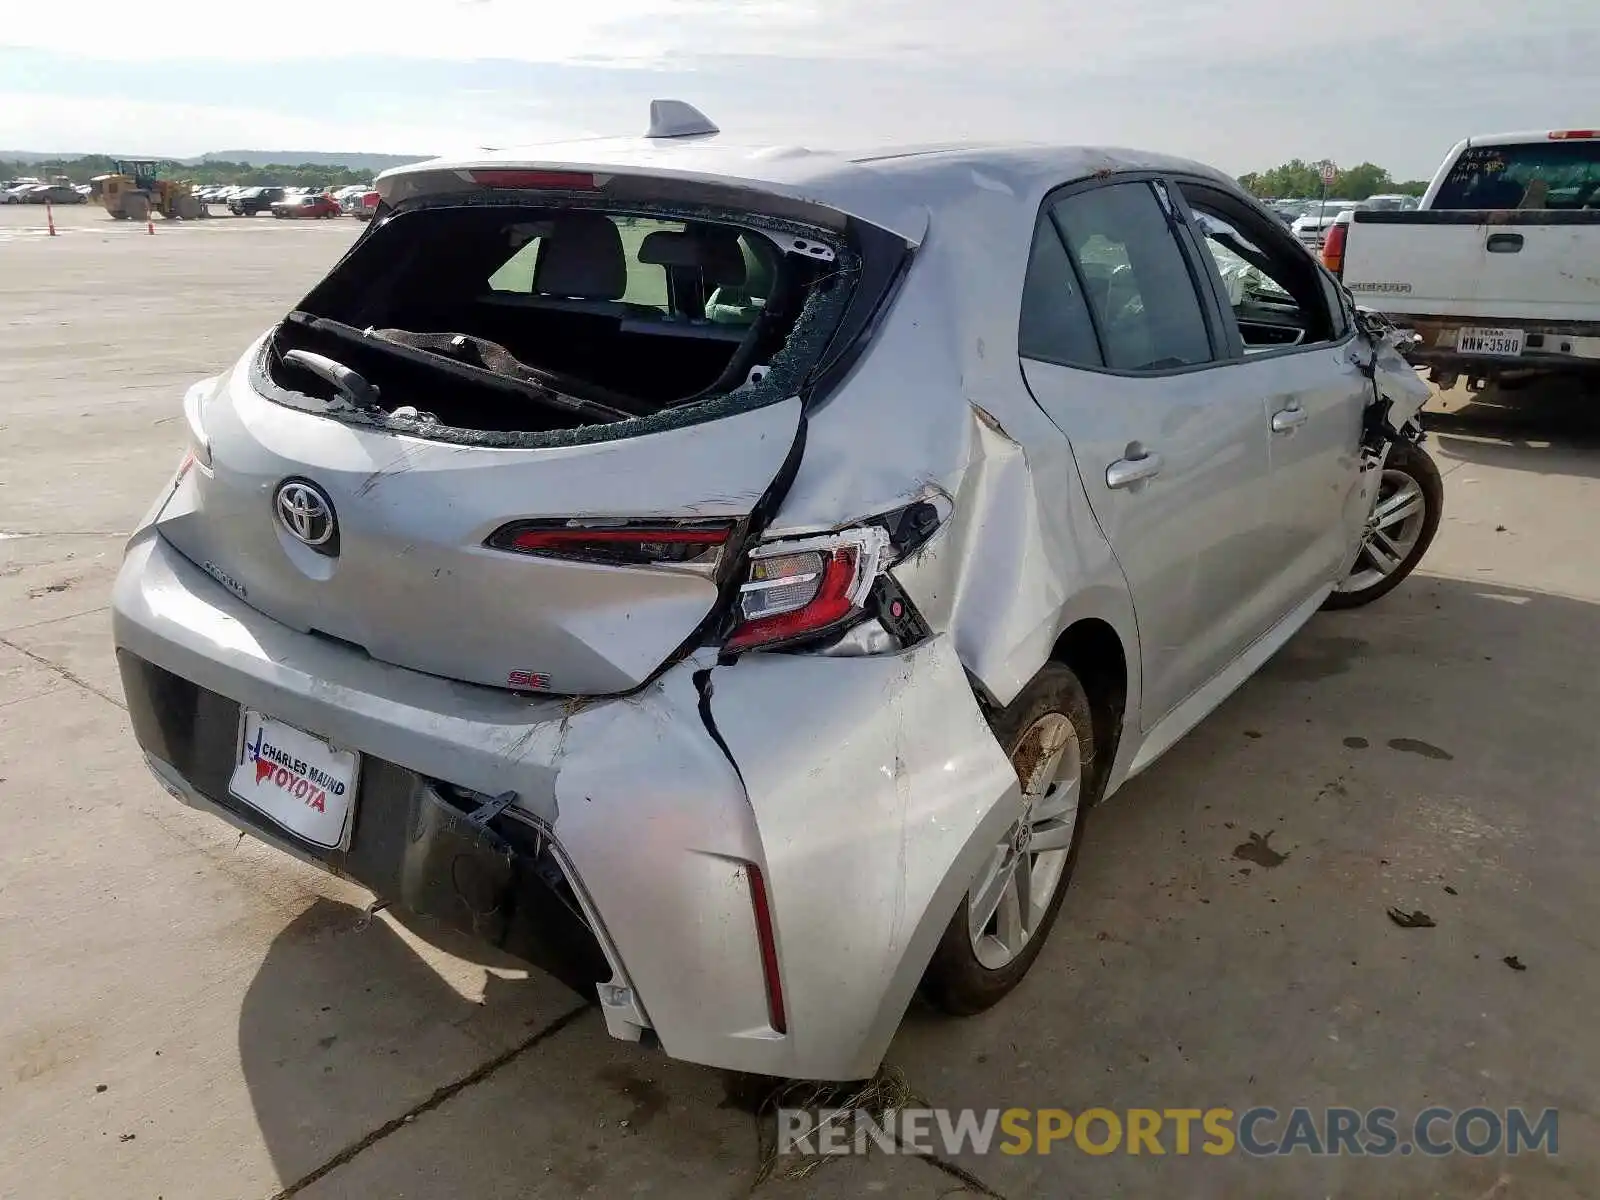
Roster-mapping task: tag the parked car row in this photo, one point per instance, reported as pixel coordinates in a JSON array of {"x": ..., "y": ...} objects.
[
  {"x": 356, "y": 200},
  {"x": 293, "y": 202},
  {"x": 1316, "y": 217},
  {"x": 32, "y": 191}
]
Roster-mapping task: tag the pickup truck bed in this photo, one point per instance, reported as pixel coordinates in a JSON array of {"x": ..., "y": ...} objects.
[{"x": 1487, "y": 290}]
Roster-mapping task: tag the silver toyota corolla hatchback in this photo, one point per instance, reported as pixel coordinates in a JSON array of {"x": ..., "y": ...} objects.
[{"x": 725, "y": 577}]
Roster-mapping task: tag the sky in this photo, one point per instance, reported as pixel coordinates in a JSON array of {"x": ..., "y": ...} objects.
[{"x": 1241, "y": 84}]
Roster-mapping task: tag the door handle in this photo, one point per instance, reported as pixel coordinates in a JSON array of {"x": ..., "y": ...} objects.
[
  {"x": 1504, "y": 243},
  {"x": 1287, "y": 420},
  {"x": 1139, "y": 465}
]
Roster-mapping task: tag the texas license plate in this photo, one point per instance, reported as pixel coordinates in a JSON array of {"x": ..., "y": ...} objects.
[
  {"x": 300, "y": 781},
  {"x": 1490, "y": 341}
]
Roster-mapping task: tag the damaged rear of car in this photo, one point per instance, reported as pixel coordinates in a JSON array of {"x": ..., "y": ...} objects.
[
  {"x": 435, "y": 598},
  {"x": 543, "y": 410}
]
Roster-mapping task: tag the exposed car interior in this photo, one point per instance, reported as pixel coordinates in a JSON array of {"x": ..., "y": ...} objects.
[
  {"x": 1271, "y": 283},
  {"x": 619, "y": 315}
]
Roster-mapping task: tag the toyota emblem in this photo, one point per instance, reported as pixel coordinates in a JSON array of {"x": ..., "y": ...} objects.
[{"x": 306, "y": 513}]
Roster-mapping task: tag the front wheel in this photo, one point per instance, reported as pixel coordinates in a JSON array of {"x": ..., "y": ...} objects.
[
  {"x": 1048, "y": 734},
  {"x": 1399, "y": 530}
]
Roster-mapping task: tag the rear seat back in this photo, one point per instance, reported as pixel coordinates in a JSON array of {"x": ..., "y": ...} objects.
[{"x": 582, "y": 266}]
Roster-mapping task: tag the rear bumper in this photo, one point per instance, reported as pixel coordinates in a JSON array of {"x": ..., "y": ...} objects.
[
  {"x": 865, "y": 793},
  {"x": 1547, "y": 345}
]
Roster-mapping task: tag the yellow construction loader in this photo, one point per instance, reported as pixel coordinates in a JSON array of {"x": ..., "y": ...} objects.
[{"x": 132, "y": 193}]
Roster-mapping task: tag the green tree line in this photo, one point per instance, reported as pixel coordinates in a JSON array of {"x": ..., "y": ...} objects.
[
  {"x": 1298, "y": 179},
  {"x": 81, "y": 170}
]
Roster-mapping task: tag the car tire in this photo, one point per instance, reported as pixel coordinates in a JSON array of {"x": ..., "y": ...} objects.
[
  {"x": 1409, "y": 470},
  {"x": 971, "y": 970}
]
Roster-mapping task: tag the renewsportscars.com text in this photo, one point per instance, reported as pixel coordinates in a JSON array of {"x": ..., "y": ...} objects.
[{"x": 1259, "y": 1132}]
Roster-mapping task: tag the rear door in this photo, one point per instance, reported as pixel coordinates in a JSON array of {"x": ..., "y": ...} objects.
[
  {"x": 1121, "y": 348},
  {"x": 1295, "y": 351}
]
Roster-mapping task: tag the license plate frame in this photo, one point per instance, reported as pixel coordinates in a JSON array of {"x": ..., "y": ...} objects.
[
  {"x": 1493, "y": 341},
  {"x": 298, "y": 780}
]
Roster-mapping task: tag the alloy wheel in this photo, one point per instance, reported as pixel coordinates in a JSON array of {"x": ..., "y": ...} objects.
[
  {"x": 1391, "y": 532},
  {"x": 1013, "y": 893}
]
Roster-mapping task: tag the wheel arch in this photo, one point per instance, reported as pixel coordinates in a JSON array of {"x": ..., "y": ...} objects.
[{"x": 1094, "y": 651}]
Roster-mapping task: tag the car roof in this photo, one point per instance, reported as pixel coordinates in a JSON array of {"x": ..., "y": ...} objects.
[{"x": 894, "y": 187}]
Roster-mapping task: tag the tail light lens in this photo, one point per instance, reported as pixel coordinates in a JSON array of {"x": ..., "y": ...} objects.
[
  {"x": 631, "y": 544},
  {"x": 800, "y": 589},
  {"x": 1333, "y": 248}
]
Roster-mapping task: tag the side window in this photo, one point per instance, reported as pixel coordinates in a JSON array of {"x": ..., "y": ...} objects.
[
  {"x": 1278, "y": 294},
  {"x": 1055, "y": 324},
  {"x": 1139, "y": 288},
  {"x": 515, "y": 274}
]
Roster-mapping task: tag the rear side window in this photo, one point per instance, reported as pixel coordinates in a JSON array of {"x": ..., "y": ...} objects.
[
  {"x": 1055, "y": 315},
  {"x": 1139, "y": 288},
  {"x": 1555, "y": 174}
]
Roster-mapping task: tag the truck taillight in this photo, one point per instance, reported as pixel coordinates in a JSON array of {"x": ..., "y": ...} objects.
[
  {"x": 1562, "y": 135},
  {"x": 800, "y": 589},
  {"x": 1333, "y": 248}
]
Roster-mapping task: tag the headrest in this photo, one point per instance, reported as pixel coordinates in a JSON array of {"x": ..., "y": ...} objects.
[
  {"x": 715, "y": 251},
  {"x": 582, "y": 257}
]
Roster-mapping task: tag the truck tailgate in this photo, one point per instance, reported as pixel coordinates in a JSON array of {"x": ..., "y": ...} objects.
[{"x": 1531, "y": 265}]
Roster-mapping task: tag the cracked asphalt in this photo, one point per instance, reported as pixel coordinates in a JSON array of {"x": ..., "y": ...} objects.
[{"x": 184, "y": 1013}]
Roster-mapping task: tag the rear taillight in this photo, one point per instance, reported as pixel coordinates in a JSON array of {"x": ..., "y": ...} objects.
[
  {"x": 1333, "y": 249},
  {"x": 801, "y": 589},
  {"x": 1563, "y": 135},
  {"x": 630, "y": 544}
]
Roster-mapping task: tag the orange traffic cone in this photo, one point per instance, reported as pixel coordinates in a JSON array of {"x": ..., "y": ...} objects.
[
  {"x": 149, "y": 224},
  {"x": 50, "y": 218}
]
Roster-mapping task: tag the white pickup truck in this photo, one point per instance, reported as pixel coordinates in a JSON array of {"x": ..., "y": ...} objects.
[{"x": 1499, "y": 269}]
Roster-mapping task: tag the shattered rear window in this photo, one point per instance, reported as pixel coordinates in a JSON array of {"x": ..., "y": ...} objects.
[{"x": 524, "y": 319}]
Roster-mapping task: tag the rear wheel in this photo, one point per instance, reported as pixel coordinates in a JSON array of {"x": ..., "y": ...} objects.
[
  {"x": 1002, "y": 922},
  {"x": 1399, "y": 530}
]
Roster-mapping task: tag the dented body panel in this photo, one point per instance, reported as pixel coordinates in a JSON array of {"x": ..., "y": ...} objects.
[
  {"x": 810, "y": 748},
  {"x": 876, "y": 788}
]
